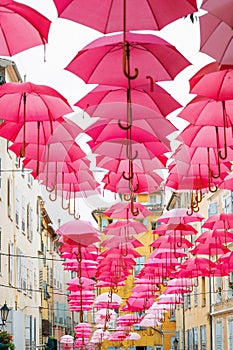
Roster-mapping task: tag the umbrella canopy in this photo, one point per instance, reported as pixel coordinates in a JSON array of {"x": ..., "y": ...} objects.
[
  {"x": 221, "y": 10},
  {"x": 100, "y": 62},
  {"x": 109, "y": 18},
  {"x": 141, "y": 182},
  {"x": 219, "y": 221},
  {"x": 125, "y": 228},
  {"x": 214, "y": 30},
  {"x": 22, "y": 27},
  {"x": 111, "y": 101},
  {"x": 122, "y": 210},
  {"x": 177, "y": 216},
  {"x": 79, "y": 231}
]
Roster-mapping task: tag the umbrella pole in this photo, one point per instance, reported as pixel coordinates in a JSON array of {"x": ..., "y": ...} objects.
[
  {"x": 22, "y": 149},
  {"x": 38, "y": 148},
  {"x": 223, "y": 157},
  {"x": 126, "y": 48}
]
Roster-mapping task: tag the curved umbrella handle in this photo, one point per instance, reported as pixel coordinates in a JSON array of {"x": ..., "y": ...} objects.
[
  {"x": 190, "y": 213},
  {"x": 126, "y": 63},
  {"x": 62, "y": 195},
  {"x": 223, "y": 157},
  {"x": 133, "y": 189},
  {"x": 130, "y": 177},
  {"x": 53, "y": 199},
  {"x": 127, "y": 127},
  {"x": 151, "y": 82},
  {"x": 134, "y": 211}
]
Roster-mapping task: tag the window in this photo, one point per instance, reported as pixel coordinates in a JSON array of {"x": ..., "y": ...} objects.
[
  {"x": 11, "y": 264},
  {"x": 230, "y": 332},
  {"x": 195, "y": 339},
  {"x": 203, "y": 337},
  {"x": 218, "y": 289},
  {"x": 9, "y": 197},
  {"x": 29, "y": 223},
  {"x": 139, "y": 264},
  {"x": 17, "y": 206},
  {"x": 203, "y": 292},
  {"x": 195, "y": 293},
  {"x": 218, "y": 335},
  {"x": 23, "y": 222},
  {"x": 104, "y": 223},
  {"x": 213, "y": 209},
  {"x": 226, "y": 203}
]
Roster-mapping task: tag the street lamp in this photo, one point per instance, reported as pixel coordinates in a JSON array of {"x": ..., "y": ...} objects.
[
  {"x": 4, "y": 313},
  {"x": 175, "y": 343}
]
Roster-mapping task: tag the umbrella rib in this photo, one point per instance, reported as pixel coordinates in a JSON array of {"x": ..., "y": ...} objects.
[
  {"x": 6, "y": 41},
  {"x": 108, "y": 16}
]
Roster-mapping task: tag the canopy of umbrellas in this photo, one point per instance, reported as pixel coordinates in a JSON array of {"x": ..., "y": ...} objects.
[
  {"x": 131, "y": 136},
  {"x": 171, "y": 270}
]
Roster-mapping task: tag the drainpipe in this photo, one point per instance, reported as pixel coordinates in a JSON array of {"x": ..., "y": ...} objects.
[
  {"x": 211, "y": 316},
  {"x": 183, "y": 334}
]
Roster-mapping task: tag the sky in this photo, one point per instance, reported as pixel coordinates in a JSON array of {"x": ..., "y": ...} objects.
[{"x": 66, "y": 38}]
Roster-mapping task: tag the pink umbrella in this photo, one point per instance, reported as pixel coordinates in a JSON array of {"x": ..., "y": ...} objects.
[
  {"x": 216, "y": 85},
  {"x": 110, "y": 101},
  {"x": 215, "y": 236},
  {"x": 221, "y": 10},
  {"x": 168, "y": 241},
  {"x": 122, "y": 210},
  {"x": 209, "y": 249},
  {"x": 169, "y": 229},
  {"x": 125, "y": 228},
  {"x": 219, "y": 221},
  {"x": 22, "y": 27},
  {"x": 143, "y": 130},
  {"x": 142, "y": 183},
  {"x": 80, "y": 231},
  {"x": 214, "y": 30},
  {"x": 227, "y": 183},
  {"x": 139, "y": 165},
  {"x": 152, "y": 56},
  {"x": 80, "y": 283},
  {"x": 109, "y": 17},
  {"x": 121, "y": 242},
  {"x": 133, "y": 336},
  {"x": 197, "y": 266},
  {"x": 179, "y": 215},
  {"x": 180, "y": 282},
  {"x": 138, "y": 304},
  {"x": 27, "y": 102}
]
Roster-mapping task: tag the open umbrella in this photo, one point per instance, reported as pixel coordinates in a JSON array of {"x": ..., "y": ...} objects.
[
  {"x": 109, "y": 18},
  {"x": 27, "y": 102},
  {"x": 122, "y": 210},
  {"x": 214, "y": 30},
  {"x": 100, "y": 62},
  {"x": 22, "y": 27},
  {"x": 109, "y": 101}
]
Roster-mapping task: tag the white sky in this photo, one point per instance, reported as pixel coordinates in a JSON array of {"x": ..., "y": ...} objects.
[{"x": 66, "y": 38}]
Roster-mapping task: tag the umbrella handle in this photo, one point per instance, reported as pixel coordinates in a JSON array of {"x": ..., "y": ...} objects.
[
  {"x": 190, "y": 213},
  {"x": 223, "y": 157},
  {"x": 53, "y": 199},
  {"x": 134, "y": 211},
  {"x": 151, "y": 82},
  {"x": 127, "y": 127},
  {"x": 62, "y": 196},
  {"x": 130, "y": 177},
  {"x": 126, "y": 66}
]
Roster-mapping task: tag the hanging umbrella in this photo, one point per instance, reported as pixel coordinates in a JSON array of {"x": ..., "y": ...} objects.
[
  {"x": 179, "y": 215},
  {"x": 125, "y": 228},
  {"x": 221, "y": 10},
  {"x": 110, "y": 101},
  {"x": 122, "y": 210},
  {"x": 76, "y": 284},
  {"x": 219, "y": 221},
  {"x": 194, "y": 267},
  {"x": 139, "y": 165},
  {"x": 215, "y": 236},
  {"x": 27, "y": 102},
  {"x": 214, "y": 30},
  {"x": 216, "y": 85},
  {"x": 151, "y": 55},
  {"x": 181, "y": 229},
  {"x": 171, "y": 242},
  {"x": 227, "y": 183},
  {"x": 109, "y": 18},
  {"x": 209, "y": 249},
  {"x": 142, "y": 183},
  {"x": 67, "y": 339},
  {"x": 22, "y": 27},
  {"x": 81, "y": 232},
  {"x": 143, "y": 130}
]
